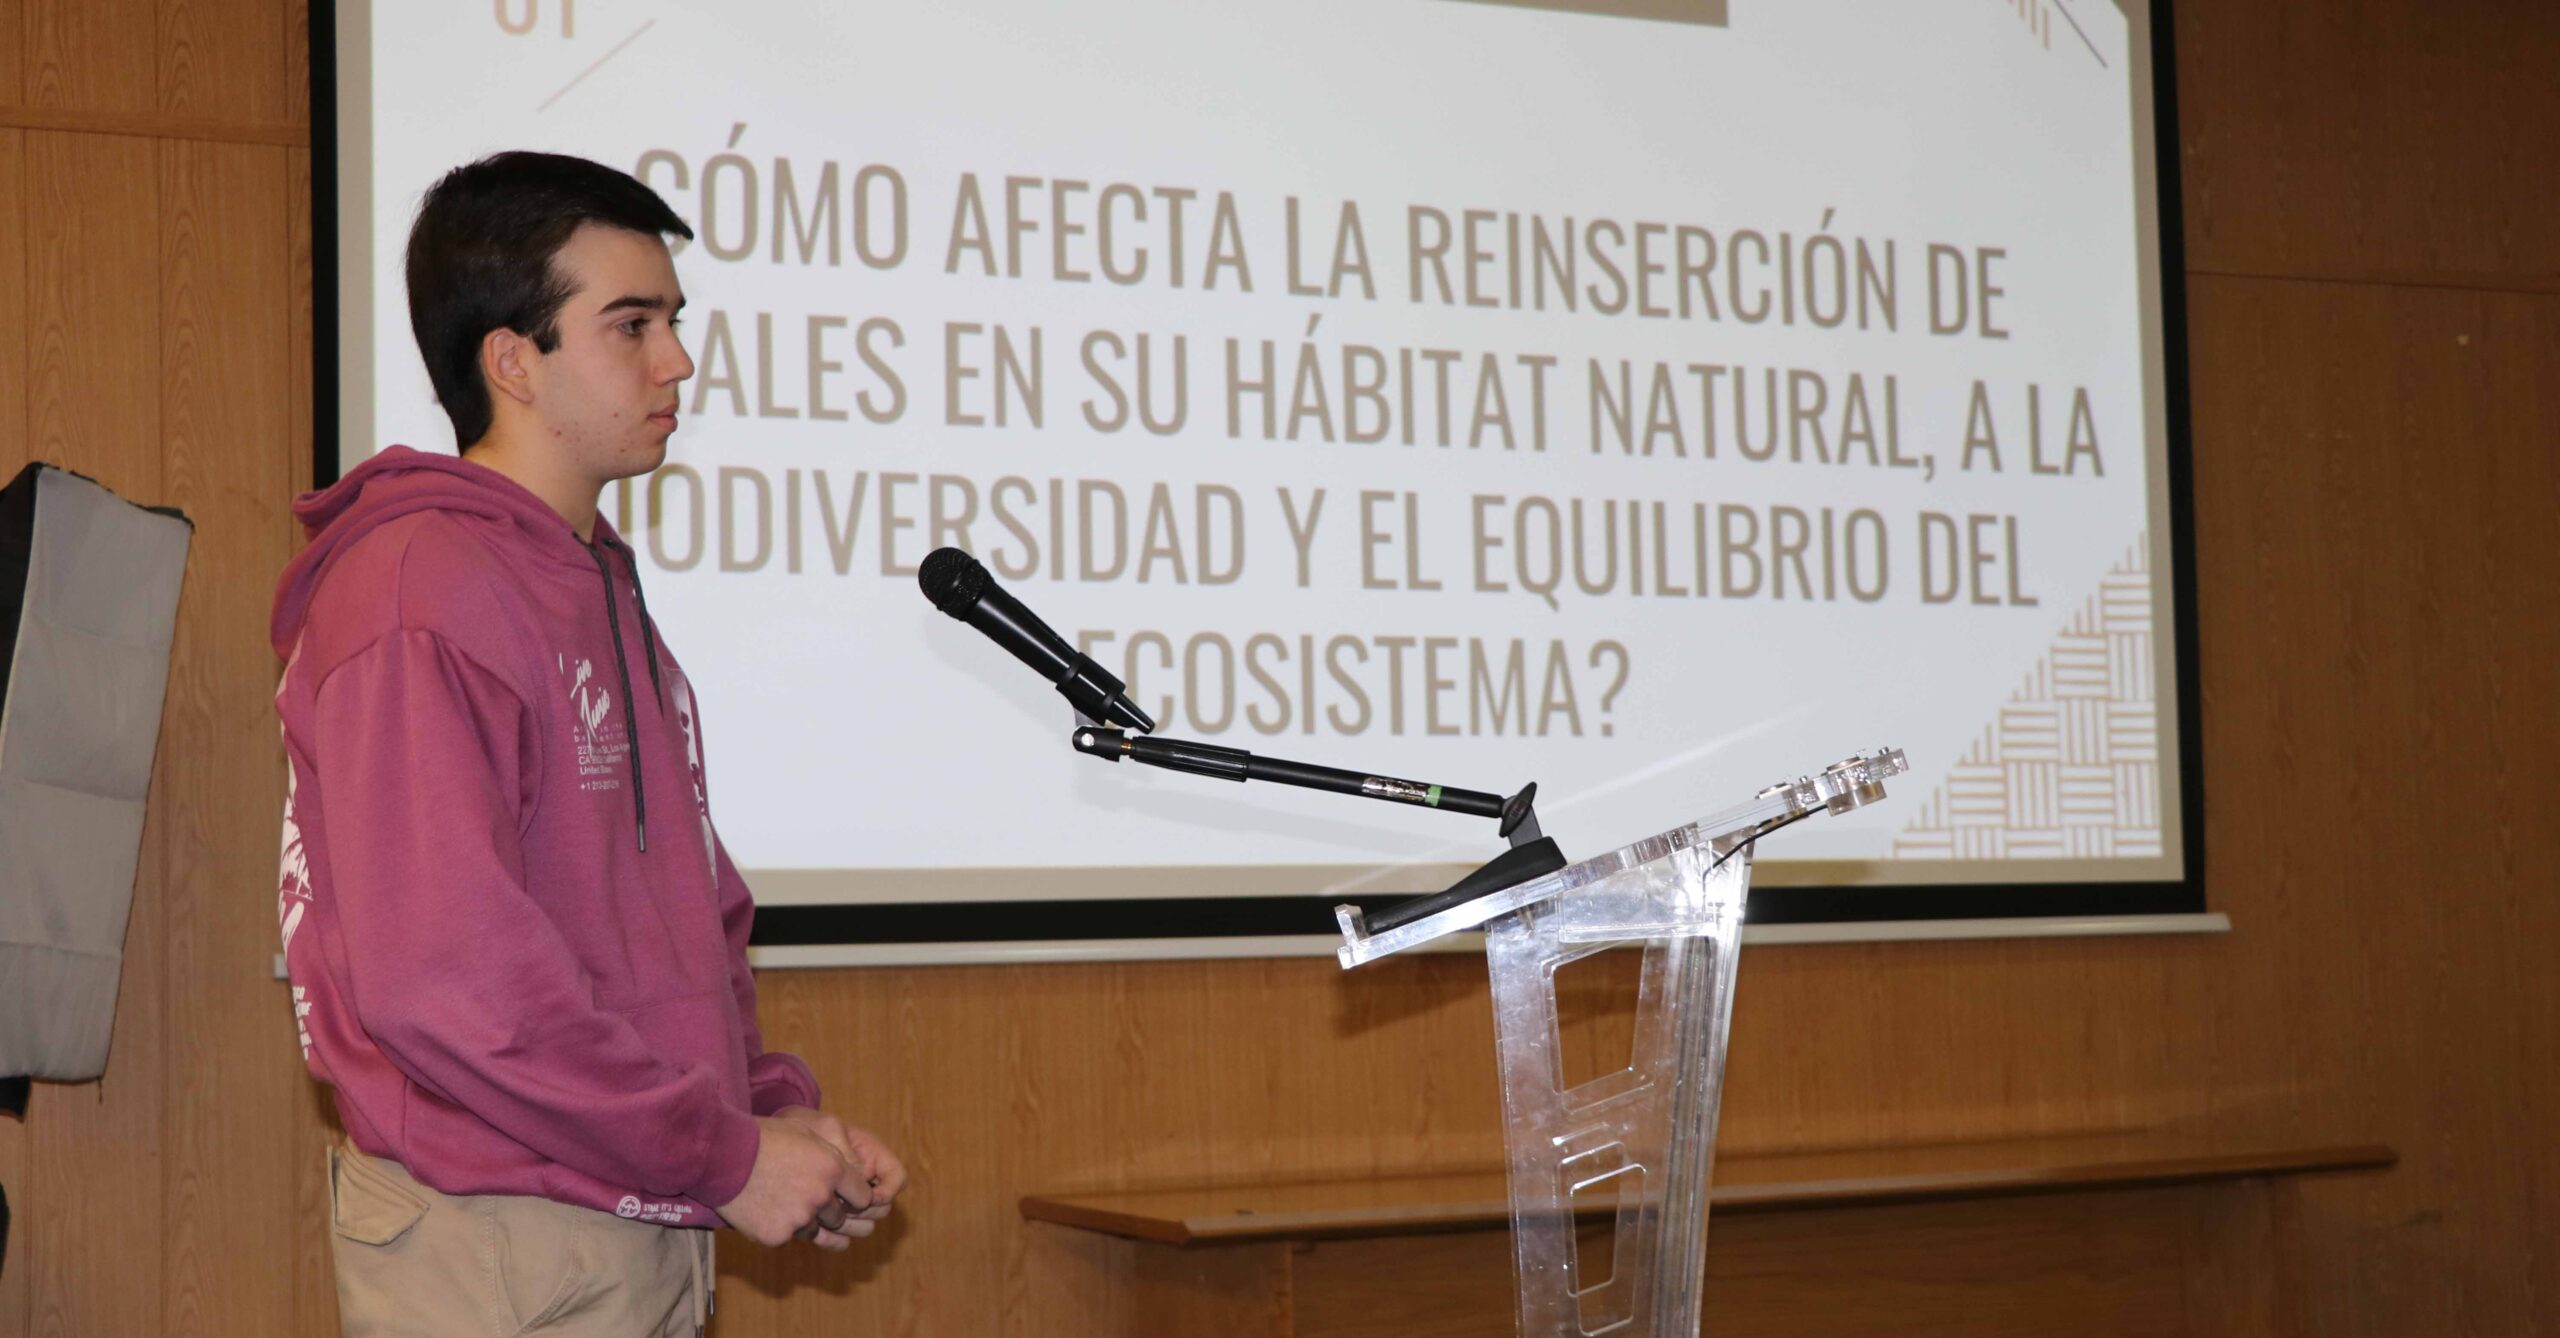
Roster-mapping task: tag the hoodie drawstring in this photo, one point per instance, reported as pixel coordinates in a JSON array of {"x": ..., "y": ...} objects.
[
  {"x": 648, "y": 629},
  {"x": 622, "y": 666}
]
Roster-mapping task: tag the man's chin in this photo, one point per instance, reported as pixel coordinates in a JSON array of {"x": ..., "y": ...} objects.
[{"x": 644, "y": 458}]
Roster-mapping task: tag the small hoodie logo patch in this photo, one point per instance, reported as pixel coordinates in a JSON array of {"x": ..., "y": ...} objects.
[
  {"x": 631, "y": 1206},
  {"x": 600, "y": 742}
]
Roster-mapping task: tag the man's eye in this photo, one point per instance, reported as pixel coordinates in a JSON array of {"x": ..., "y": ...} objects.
[{"x": 632, "y": 326}]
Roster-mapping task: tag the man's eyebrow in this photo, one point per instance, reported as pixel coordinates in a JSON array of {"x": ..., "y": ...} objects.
[{"x": 639, "y": 302}]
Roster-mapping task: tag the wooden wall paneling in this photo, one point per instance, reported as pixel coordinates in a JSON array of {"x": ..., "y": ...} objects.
[
  {"x": 993, "y": 1081},
  {"x": 1790, "y": 1006},
  {"x": 1872, "y": 1044},
  {"x": 93, "y": 311},
  {"x": 297, "y": 303},
  {"x": 13, "y": 46},
  {"x": 2232, "y": 1282},
  {"x": 1237, "y": 1291},
  {"x": 296, "y": 56},
  {"x": 1276, "y": 1041},
  {"x": 1962, "y": 1060},
  {"x": 13, "y": 455},
  {"x": 93, "y": 307},
  {"x": 1417, "y": 1034},
  {"x": 2291, "y": 648},
  {"x": 2273, "y": 750},
  {"x": 1453, "y": 1285},
  {"x": 1263, "y": 1107},
  {"x": 16, "y": 212},
  {"x": 22, "y": 1203},
  {"x": 314, "y": 1127},
  {"x": 2523, "y": 687},
  {"x": 1070, "y": 1279},
  {"x": 765, "y": 1290},
  {"x": 2020, "y": 1268},
  {"x": 2388, "y": 438},
  {"x": 2071, "y": 1264},
  {"x": 2382, "y": 140},
  {"x": 2447, "y": 463},
  {"x": 225, "y": 381},
  {"x": 90, "y": 55},
  {"x": 224, "y": 60},
  {"x": 2256, "y": 572}
]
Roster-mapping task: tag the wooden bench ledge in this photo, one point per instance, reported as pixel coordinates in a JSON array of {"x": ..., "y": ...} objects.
[{"x": 1744, "y": 1182}]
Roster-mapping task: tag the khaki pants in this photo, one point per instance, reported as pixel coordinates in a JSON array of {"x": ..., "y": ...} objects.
[{"x": 412, "y": 1261}]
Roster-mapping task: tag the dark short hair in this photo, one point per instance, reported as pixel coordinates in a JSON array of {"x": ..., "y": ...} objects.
[{"x": 480, "y": 260}]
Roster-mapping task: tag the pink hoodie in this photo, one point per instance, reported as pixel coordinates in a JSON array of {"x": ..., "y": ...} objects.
[{"x": 516, "y": 982}]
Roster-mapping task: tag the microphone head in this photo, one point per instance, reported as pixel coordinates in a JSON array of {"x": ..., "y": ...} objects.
[{"x": 953, "y": 580}]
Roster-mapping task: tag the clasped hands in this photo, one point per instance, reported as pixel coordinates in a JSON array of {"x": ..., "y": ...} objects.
[{"x": 816, "y": 1178}]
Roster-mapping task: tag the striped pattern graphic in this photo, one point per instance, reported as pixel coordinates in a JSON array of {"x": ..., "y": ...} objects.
[
  {"x": 1705, "y": 13},
  {"x": 2070, "y": 769}
]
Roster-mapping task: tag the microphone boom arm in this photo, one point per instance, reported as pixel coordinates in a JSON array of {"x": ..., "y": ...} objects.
[
  {"x": 1531, "y": 853},
  {"x": 1519, "y": 821}
]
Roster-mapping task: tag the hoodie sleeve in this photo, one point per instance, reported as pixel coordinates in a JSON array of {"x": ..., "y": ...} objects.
[
  {"x": 456, "y": 972},
  {"x": 774, "y": 1079}
]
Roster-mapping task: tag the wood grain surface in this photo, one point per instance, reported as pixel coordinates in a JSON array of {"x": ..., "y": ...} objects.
[{"x": 1766, "y": 1182}]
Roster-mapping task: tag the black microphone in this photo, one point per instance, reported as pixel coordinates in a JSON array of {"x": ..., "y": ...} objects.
[{"x": 959, "y": 585}]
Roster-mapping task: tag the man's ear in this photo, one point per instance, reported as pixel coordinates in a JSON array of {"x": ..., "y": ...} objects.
[{"x": 508, "y": 360}]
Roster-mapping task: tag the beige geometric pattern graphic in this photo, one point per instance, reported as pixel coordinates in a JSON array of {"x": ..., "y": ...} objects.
[{"x": 2071, "y": 767}]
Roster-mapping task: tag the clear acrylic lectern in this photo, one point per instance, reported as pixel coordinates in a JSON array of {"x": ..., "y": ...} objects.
[{"x": 1635, "y": 1145}]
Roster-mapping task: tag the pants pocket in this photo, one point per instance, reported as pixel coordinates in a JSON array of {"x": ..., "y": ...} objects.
[
  {"x": 543, "y": 1257},
  {"x": 409, "y": 1262},
  {"x": 620, "y": 1278},
  {"x": 367, "y": 1206}
]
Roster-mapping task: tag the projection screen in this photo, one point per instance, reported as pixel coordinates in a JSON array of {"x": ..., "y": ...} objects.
[{"x": 1650, "y": 399}]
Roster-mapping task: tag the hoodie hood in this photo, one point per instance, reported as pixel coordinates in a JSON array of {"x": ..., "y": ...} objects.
[
  {"x": 398, "y": 482},
  {"x": 401, "y": 482}
]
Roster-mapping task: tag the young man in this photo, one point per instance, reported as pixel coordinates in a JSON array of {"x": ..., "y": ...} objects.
[{"x": 517, "y": 948}]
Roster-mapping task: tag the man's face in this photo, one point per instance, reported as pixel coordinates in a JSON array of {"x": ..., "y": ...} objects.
[{"x": 607, "y": 393}]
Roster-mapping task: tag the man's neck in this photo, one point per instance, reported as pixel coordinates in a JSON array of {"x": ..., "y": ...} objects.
[{"x": 571, "y": 494}]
